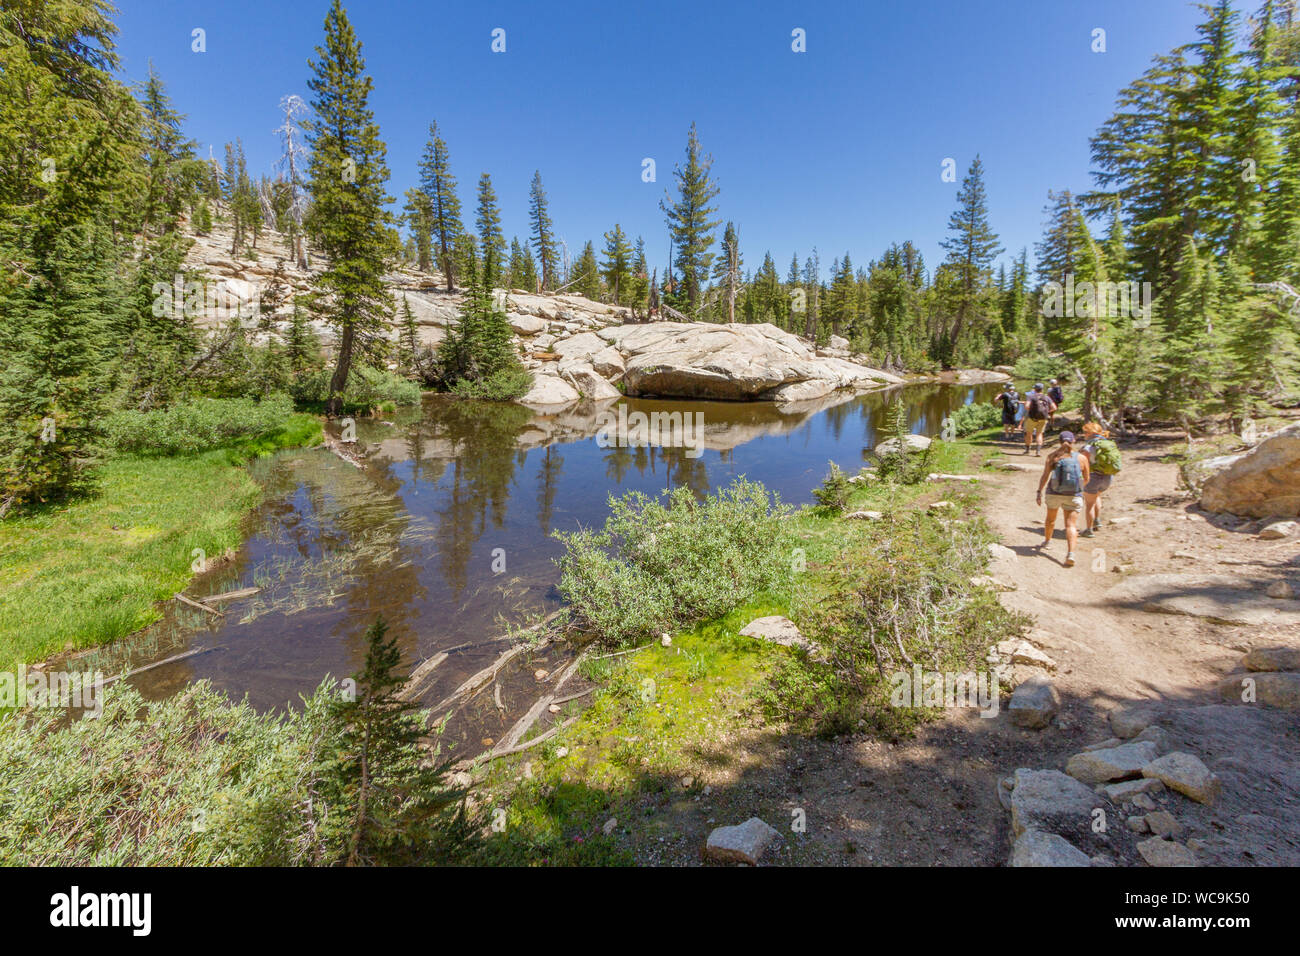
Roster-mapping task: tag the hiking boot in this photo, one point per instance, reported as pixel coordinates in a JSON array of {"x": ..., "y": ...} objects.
[
  {"x": 1069, "y": 560},
  {"x": 1087, "y": 533},
  {"x": 1097, "y": 526}
]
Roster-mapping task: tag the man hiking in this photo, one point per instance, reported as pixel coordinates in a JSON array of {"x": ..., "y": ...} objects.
[
  {"x": 1010, "y": 400},
  {"x": 1057, "y": 395},
  {"x": 1103, "y": 463},
  {"x": 1065, "y": 473},
  {"x": 1038, "y": 410}
]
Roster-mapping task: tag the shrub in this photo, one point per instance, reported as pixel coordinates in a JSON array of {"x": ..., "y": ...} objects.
[
  {"x": 904, "y": 464},
  {"x": 903, "y": 598},
  {"x": 834, "y": 492},
  {"x": 502, "y": 386},
  {"x": 195, "y": 780},
  {"x": 975, "y": 418},
  {"x": 367, "y": 388},
  {"x": 197, "y": 425},
  {"x": 660, "y": 566}
]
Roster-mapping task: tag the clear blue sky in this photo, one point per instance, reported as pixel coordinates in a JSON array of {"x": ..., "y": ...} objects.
[{"x": 839, "y": 147}]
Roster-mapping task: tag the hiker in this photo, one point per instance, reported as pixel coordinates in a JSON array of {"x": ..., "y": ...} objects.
[
  {"x": 1104, "y": 464},
  {"x": 1010, "y": 400},
  {"x": 1038, "y": 410},
  {"x": 1057, "y": 395},
  {"x": 1065, "y": 474}
]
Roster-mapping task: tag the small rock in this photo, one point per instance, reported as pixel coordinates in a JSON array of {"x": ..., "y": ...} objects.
[
  {"x": 554, "y": 708},
  {"x": 1164, "y": 824},
  {"x": 1002, "y": 552},
  {"x": 1128, "y": 722},
  {"x": 1278, "y": 529},
  {"x": 864, "y": 516},
  {"x": 944, "y": 506},
  {"x": 1036, "y": 848},
  {"x": 1143, "y": 801},
  {"x": 1128, "y": 789},
  {"x": 1101, "y": 859},
  {"x": 740, "y": 844},
  {"x": 1274, "y": 688},
  {"x": 1034, "y": 703},
  {"x": 1136, "y": 824},
  {"x": 1281, "y": 590},
  {"x": 1115, "y": 763},
  {"x": 1048, "y": 800},
  {"x": 1157, "y": 736},
  {"x": 540, "y": 674},
  {"x": 609, "y": 826},
  {"x": 1272, "y": 659},
  {"x": 1158, "y": 851},
  {"x": 561, "y": 753},
  {"x": 1186, "y": 774},
  {"x": 1127, "y": 519},
  {"x": 778, "y": 630},
  {"x": 1105, "y": 744},
  {"x": 665, "y": 640}
]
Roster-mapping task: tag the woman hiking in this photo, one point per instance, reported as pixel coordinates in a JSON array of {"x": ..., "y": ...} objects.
[
  {"x": 1103, "y": 464},
  {"x": 1065, "y": 474}
]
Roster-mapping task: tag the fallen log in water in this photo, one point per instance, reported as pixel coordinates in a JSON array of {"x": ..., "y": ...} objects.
[
  {"x": 230, "y": 595},
  {"x": 149, "y": 667},
  {"x": 415, "y": 683},
  {"x": 202, "y": 607},
  {"x": 481, "y": 679}
]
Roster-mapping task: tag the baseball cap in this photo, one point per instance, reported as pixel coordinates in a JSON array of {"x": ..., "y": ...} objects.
[{"x": 1067, "y": 436}]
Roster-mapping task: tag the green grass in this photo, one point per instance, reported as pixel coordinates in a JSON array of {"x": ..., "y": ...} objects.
[{"x": 86, "y": 572}]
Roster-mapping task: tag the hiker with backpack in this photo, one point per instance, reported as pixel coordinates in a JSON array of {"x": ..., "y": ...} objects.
[
  {"x": 1010, "y": 401},
  {"x": 1065, "y": 475},
  {"x": 1104, "y": 464},
  {"x": 1038, "y": 411},
  {"x": 1057, "y": 395}
]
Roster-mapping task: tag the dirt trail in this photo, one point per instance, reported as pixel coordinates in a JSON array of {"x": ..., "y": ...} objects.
[{"x": 933, "y": 799}]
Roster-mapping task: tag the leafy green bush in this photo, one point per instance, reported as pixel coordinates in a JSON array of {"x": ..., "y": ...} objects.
[
  {"x": 502, "y": 386},
  {"x": 975, "y": 418},
  {"x": 1038, "y": 368},
  {"x": 660, "y": 566},
  {"x": 902, "y": 598},
  {"x": 197, "y": 425},
  {"x": 367, "y": 388}
]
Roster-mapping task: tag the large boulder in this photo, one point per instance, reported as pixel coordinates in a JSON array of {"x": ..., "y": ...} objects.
[
  {"x": 1262, "y": 482},
  {"x": 728, "y": 362}
]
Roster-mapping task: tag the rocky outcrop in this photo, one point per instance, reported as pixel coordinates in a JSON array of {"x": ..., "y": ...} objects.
[{"x": 1261, "y": 482}]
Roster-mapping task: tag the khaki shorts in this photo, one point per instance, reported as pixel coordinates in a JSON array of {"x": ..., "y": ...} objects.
[
  {"x": 1064, "y": 502},
  {"x": 1034, "y": 427}
]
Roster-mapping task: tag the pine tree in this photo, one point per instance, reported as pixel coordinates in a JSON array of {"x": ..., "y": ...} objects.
[
  {"x": 971, "y": 247},
  {"x": 523, "y": 271},
  {"x": 171, "y": 172},
  {"x": 490, "y": 237},
  {"x": 399, "y": 806},
  {"x": 688, "y": 218},
  {"x": 408, "y": 341},
  {"x": 639, "y": 280},
  {"x": 418, "y": 213},
  {"x": 349, "y": 173},
  {"x": 585, "y": 278},
  {"x": 617, "y": 267},
  {"x": 543, "y": 237},
  {"x": 727, "y": 269},
  {"x": 439, "y": 187}
]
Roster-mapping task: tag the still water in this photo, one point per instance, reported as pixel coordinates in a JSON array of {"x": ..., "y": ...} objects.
[{"x": 446, "y": 530}]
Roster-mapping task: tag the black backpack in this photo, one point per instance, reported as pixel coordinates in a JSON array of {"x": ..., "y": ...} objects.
[{"x": 1037, "y": 405}]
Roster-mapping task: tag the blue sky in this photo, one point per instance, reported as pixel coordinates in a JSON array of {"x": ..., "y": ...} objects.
[{"x": 838, "y": 147}]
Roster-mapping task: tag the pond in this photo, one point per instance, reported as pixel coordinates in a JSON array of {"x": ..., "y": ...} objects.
[{"x": 446, "y": 530}]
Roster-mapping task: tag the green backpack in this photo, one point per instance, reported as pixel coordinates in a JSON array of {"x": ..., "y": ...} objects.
[{"x": 1105, "y": 459}]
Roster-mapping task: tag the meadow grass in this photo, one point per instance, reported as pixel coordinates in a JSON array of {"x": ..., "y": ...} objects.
[{"x": 85, "y": 572}]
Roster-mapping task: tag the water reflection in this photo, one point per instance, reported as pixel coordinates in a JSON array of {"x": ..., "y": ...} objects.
[{"x": 446, "y": 530}]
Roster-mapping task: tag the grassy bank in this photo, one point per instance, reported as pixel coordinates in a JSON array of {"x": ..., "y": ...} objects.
[
  {"x": 666, "y": 720},
  {"x": 86, "y": 572}
]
